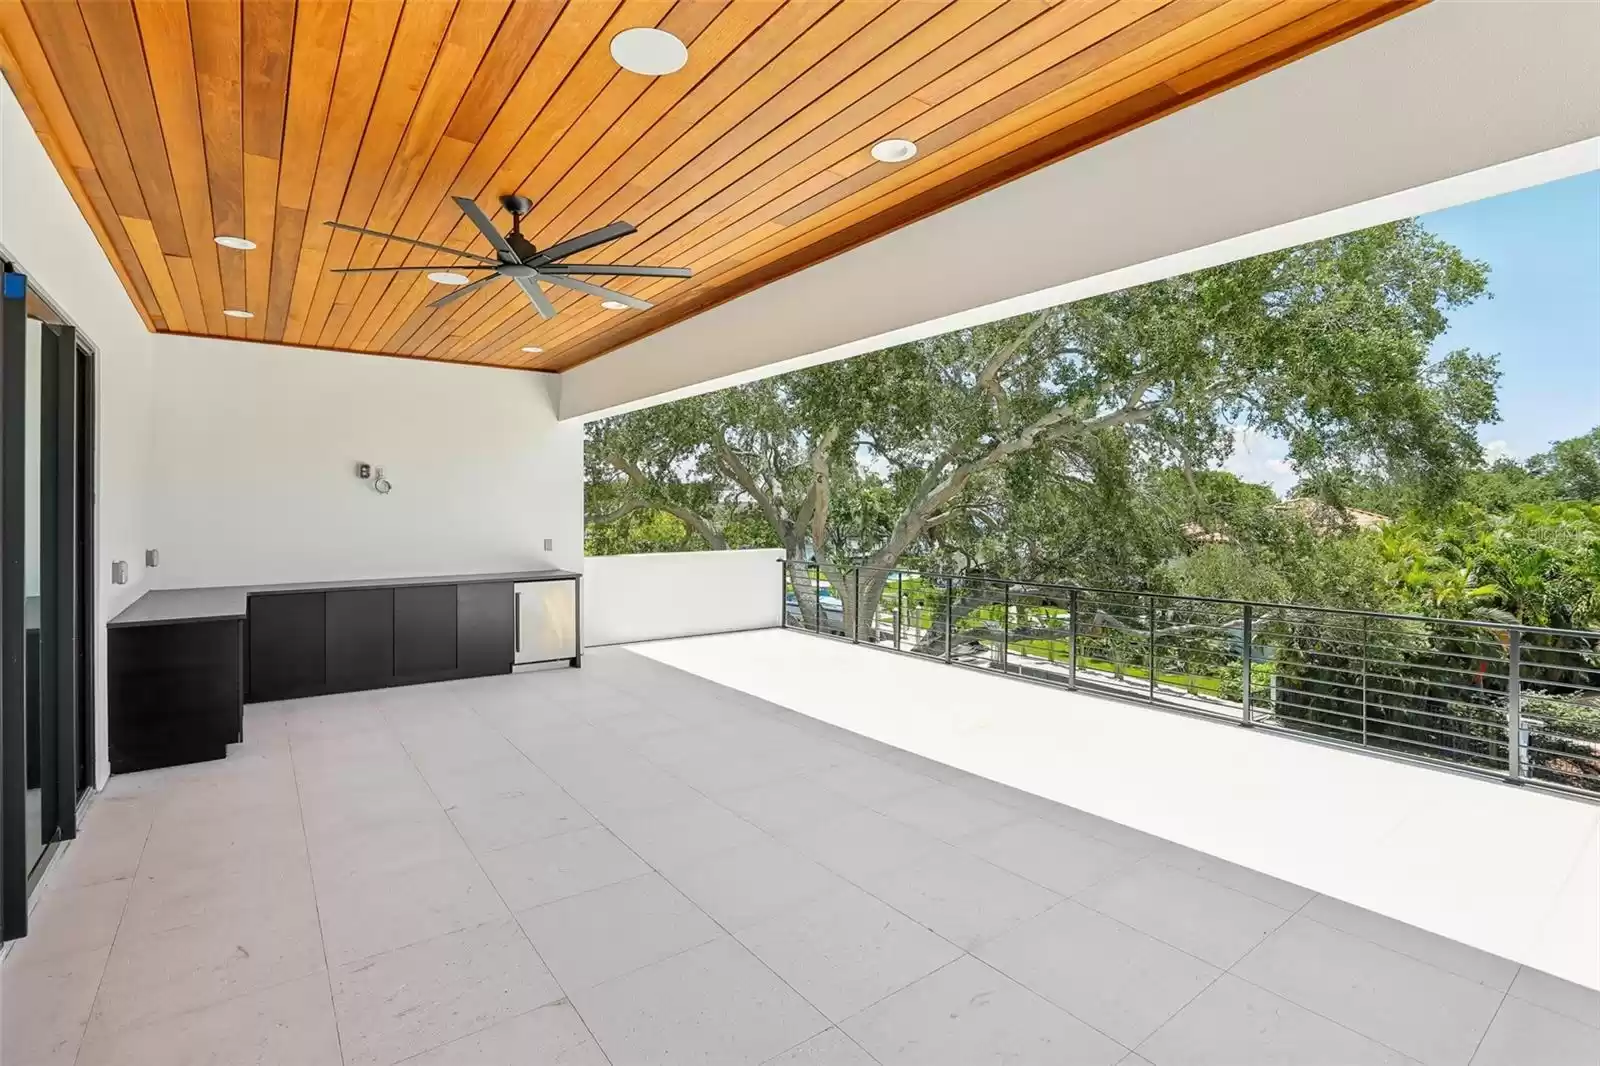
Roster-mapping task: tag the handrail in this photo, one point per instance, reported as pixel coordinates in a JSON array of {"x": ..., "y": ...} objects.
[
  {"x": 1476, "y": 623},
  {"x": 1523, "y": 698}
]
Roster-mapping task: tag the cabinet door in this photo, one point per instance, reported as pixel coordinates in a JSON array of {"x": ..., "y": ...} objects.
[
  {"x": 287, "y": 653},
  {"x": 483, "y": 628},
  {"x": 424, "y": 630},
  {"x": 360, "y": 639},
  {"x": 173, "y": 693}
]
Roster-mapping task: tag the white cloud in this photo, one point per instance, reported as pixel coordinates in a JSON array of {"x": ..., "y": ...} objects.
[
  {"x": 1495, "y": 450},
  {"x": 1261, "y": 458}
]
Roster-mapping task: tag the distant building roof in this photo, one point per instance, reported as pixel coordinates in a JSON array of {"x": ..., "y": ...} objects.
[{"x": 1325, "y": 517}]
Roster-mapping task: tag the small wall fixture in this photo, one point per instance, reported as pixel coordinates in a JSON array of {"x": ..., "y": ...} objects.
[
  {"x": 613, "y": 305},
  {"x": 119, "y": 572},
  {"x": 152, "y": 557},
  {"x": 448, "y": 277},
  {"x": 649, "y": 51},
  {"x": 239, "y": 244},
  {"x": 894, "y": 150},
  {"x": 235, "y": 312}
]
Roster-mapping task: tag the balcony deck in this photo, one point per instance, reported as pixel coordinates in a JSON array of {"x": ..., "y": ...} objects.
[{"x": 771, "y": 848}]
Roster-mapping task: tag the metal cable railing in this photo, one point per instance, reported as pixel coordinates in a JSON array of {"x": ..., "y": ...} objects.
[{"x": 1518, "y": 702}]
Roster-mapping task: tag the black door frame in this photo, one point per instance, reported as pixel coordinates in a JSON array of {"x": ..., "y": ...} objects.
[{"x": 66, "y": 587}]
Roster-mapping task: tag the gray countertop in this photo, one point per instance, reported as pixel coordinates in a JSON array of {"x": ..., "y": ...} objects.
[{"x": 166, "y": 606}]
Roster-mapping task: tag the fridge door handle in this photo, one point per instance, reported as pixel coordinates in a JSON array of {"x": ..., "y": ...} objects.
[{"x": 516, "y": 621}]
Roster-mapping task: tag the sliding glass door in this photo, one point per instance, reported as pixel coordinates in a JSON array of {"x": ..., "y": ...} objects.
[{"x": 44, "y": 609}]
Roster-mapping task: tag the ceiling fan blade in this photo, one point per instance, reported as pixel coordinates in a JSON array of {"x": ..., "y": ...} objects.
[
  {"x": 475, "y": 215},
  {"x": 452, "y": 297},
  {"x": 408, "y": 240},
  {"x": 598, "y": 290},
  {"x": 615, "y": 271},
  {"x": 536, "y": 296},
  {"x": 434, "y": 267},
  {"x": 582, "y": 242}
]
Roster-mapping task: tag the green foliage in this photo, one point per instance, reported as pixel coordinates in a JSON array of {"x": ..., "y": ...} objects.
[
  {"x": 1539, "y": 564},
  {"x": 1076, "y": 443}
]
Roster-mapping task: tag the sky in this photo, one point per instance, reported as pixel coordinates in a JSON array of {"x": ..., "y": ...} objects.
[{"x": 1542, "y": 245}]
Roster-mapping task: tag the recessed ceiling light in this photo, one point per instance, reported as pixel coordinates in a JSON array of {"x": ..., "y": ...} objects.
[
  {"x": 613, "y": 305},
  {"x": 234, "y": 312},
  {"x": 533, "y": 349},
  {"x": 448, "y": 277},
  {"x": 894, "y": 150},
  {"x": 238, "y": 243},
  {"x": 648, "y": 51}
]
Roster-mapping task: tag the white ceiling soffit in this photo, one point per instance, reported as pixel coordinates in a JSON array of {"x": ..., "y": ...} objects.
[{"x": 1496, "y": 96}]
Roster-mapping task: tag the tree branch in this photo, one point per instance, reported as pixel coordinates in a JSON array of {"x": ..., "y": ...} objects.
[
  {"x": 687, "y": 515},
  {"x": 746, "y": 480}
]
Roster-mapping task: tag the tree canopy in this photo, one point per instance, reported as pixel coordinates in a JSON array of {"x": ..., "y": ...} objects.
[{"x": 1023, "y": 444}]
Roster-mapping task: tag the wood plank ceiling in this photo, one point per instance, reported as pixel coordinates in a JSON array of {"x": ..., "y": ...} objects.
[{"x": 174, "y": 122}]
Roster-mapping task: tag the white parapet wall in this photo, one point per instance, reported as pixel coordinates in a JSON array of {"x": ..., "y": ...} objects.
[{"x": 678, "y": 594}]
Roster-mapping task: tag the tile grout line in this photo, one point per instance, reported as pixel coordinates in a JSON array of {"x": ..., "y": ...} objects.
[
  {"x": 511, "y": 914},
  {"x": 1221, "y": 970},
  {"x": 316, "y": 901},
  {"x": 100, "y": 984},
  {"x": 962, "y": 952},
  {"x": 1498, "y": 1007},
  {"x": 652, "y": 868}
]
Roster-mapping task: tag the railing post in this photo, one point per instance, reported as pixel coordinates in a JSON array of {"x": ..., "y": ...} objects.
[
  {"x": 855, "y": 625},
  {"x": 1514, "y": 706},
  {"x": 1005, "y": 630},
  {"x": 899, "y": 604},
  {"x": 1072, "y": 638},
  {"x": 1366, "y": 622},
  {"x": 1150, "y": 652},
  {"x": 816, "y": 594},
  {"x": 1249, "y": 653},
  {"x": 949, "y": 616},
  {"x": 783, "y": 594}
]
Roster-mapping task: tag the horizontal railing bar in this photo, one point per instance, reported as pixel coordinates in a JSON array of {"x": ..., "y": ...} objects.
[{"x": 1466, "y": 623}]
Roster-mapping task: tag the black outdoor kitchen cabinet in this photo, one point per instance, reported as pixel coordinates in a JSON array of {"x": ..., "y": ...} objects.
[
  {"x": 359, "y": 639},
  {"x": 183, "y": 662},
  {"x": 288, "y": 656},
  {"x": 424, "y": 631},
  {"x": 175, "y": 693},
  {"x": 485, "y": 628}
]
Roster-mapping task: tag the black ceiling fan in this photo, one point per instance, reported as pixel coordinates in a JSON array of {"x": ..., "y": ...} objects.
[{"x": 516, "y": 258}]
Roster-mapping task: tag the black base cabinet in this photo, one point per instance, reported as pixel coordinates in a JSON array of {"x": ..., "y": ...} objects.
[
  {"x": 359, "y": 641},
  {"x": 346, "y": 640},
  {"x": 485, "y": 628},
  {"x": 174, "y": 694},
  {"x": 288, "y": 657},
  {"x": 424, "y": 632}
]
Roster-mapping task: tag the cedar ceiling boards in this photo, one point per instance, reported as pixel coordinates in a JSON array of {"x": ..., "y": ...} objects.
[{"x": 174, "y": 122}]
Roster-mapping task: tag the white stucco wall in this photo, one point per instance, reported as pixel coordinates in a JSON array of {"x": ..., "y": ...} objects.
[{"x": 675, "y": 594}]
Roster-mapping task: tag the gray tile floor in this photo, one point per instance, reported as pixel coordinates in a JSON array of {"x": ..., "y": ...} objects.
[{"x": 628, "y": 864}]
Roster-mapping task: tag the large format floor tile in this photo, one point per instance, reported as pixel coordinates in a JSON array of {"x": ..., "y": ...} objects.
[
  {"x": 846, "y": 950},
  {"x": 549, "y": 1036},
  {"x": 1192, "y": 914},
  {"x": 393, "y": 1005},
  {"x": 712, "y": 1004},
  {"x": 1117, "y": 979},
  {"x": 627, "y": 864},
  {"x": 1234, "y": 1023},
  {"x": 968, "y": 1013},
  {"x": 609, "y": 931},
  {"x": 1435, "y": 1017}
]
